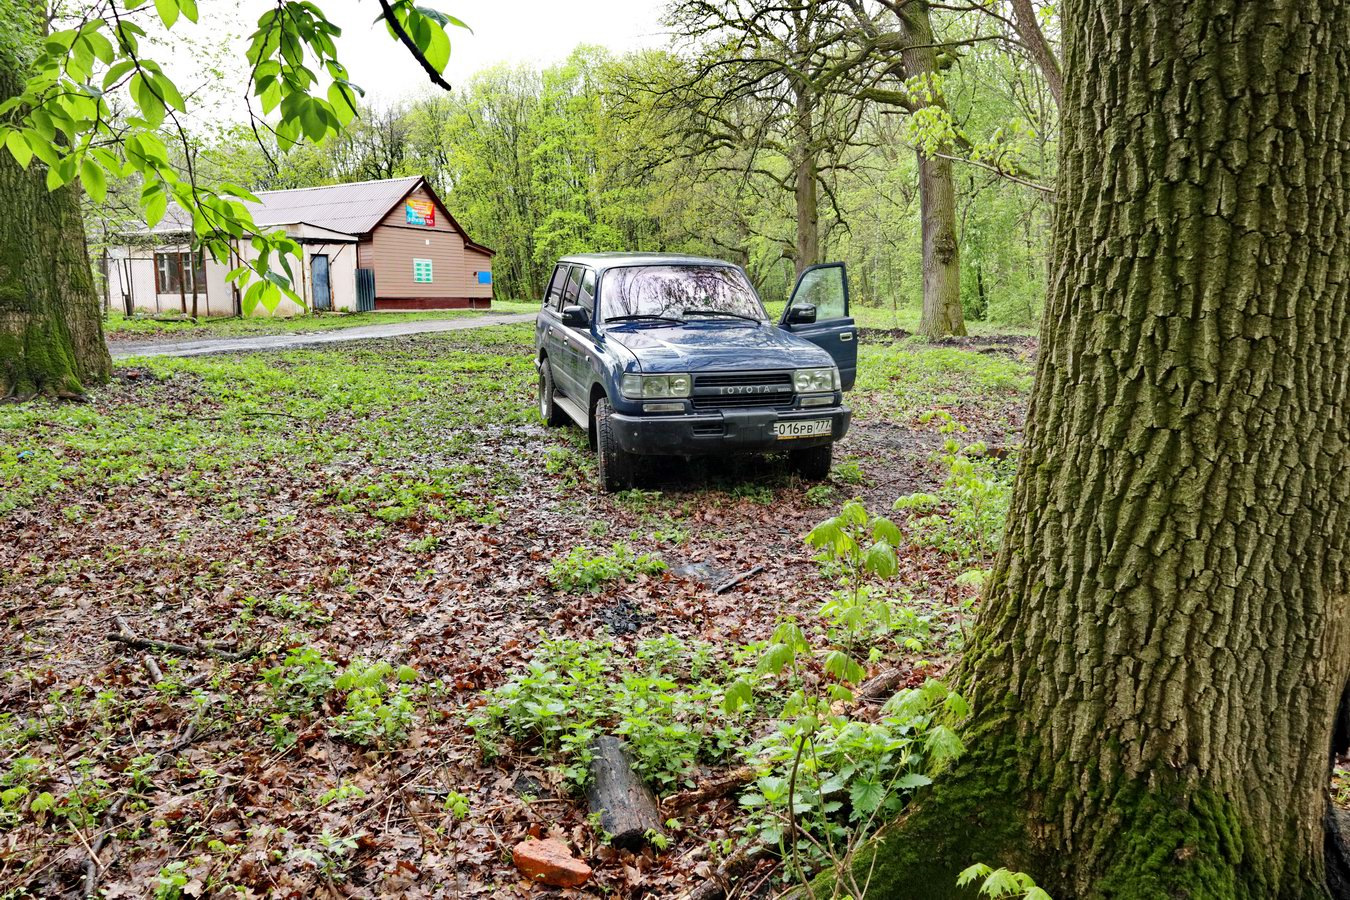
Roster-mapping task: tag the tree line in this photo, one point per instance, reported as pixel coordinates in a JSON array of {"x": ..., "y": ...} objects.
[{"x": 913, "y": 144}]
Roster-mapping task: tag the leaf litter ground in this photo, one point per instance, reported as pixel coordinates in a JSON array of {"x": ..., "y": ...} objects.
[{"x": 398, "y": 502}]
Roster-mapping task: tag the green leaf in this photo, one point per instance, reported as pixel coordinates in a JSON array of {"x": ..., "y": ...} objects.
[
  {"x": 880, "y": 560},
  {"x": 739, "y": 694},
  {"x": 866, "y": 795},
  {"x": 169, "y": 91},
  {"x": 912, "y": 781},
  {"x": 92, "y": 178},
  {"x": 168, "y": 11},
  {"x": 844, "y": 667},
  {"x": 189, "y": 8},
  {"x": 156, "y": 204},
  {"x": 341, "y": 96},
  {"x": 970, "y": 873},
  {"x": 19, "y": 149}
]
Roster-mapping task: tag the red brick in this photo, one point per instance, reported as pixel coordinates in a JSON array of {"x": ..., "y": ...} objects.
[{"x": 550, "y": 862}]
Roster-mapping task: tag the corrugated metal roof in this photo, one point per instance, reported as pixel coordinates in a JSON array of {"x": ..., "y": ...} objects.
[
  {"x": 354, "y": 208},
  {"x": 350, "y": 208}
]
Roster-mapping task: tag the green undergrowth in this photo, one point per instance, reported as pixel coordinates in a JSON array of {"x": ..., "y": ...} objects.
[
  {"x": 898, "y": 382},
  {"x": 170, "y": 323},
  {"x": 665, "y": 700},
  {"x": 584, "y": 570},
  {"x": 398, "y": 431}
]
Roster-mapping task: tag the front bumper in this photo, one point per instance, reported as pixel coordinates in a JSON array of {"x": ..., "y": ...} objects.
[{"x": 724, "y": 431}]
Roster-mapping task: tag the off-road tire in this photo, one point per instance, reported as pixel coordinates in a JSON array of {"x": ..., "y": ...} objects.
[
  {"x": 549, "y": 411},
  {"x": 813, "y": 463},
  {"x": 616, "y": 465}
]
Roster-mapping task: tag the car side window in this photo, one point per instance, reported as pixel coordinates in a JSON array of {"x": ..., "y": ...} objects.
[
  {"x": 573, "y": 286},
  {"x": 587, "y": 297},
  {"x": 553, "y": 297},
  {"x": 824, "y": 289}
]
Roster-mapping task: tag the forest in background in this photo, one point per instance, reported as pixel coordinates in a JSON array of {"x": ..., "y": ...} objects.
[{"x": 696, "y": 148}]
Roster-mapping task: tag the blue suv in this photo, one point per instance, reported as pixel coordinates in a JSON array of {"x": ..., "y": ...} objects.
[{"x": 667, "y": 355}]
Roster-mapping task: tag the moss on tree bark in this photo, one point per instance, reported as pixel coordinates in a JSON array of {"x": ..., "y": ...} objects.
[
  {"x": 1160, "y": 653},
  {"x": 51, "y": 331}
]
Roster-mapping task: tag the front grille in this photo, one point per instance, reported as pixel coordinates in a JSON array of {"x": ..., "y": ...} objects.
[
  {"x": 742, "y": 379},
  {"x": 724, "y": 390},
  {"x": 778, "y": 401}
]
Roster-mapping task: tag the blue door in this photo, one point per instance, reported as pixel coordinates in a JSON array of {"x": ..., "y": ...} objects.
[
  {"x": 318, "y": 266},
  {"x": 818, "y": 312}
]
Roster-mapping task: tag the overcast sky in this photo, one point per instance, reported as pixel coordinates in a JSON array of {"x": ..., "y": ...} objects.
[{"x": 504, "y": 31}]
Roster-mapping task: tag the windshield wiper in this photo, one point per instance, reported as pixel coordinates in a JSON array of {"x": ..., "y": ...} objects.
[
  {"x": 641, "y": 317},
  {"x": 720, "y": 312}
]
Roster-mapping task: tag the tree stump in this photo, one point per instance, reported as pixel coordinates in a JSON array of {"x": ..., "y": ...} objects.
[{"x": 626, "y": 806}]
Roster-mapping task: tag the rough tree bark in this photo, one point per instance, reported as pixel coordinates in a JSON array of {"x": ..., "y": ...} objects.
[
  {"x": 51, "y": 332},
  {"x": 942, "y": 314},
  {"x": 1159, "y": 657}
]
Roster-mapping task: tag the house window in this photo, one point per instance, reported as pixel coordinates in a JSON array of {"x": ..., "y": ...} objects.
[
  {"x": 422, "y": 271},
  {"x": 180, "y": 273}
]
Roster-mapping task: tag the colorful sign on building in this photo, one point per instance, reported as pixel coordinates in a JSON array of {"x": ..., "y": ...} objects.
[{"x": 420, "y": 212}]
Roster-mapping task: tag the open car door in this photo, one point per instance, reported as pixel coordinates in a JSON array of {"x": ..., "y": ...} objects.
[{"x": 818, "y": 312}]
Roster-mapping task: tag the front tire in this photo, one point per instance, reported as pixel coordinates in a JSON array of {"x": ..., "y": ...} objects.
[
  {"x": 813, "y": 463},
  {"x": 548, "y": 410},
  {"x": 616, "y": 465}
]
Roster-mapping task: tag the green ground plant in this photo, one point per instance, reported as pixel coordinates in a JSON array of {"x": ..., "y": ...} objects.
[
  {"x": 584, "y": 570},
  {"x": 665, "y": 701}
]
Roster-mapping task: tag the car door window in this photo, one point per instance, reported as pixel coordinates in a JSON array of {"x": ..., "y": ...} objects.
[
  {"x": 824, "y": 289},
  {"x": 553, "y": 297},
  {"x": 573, "y": 287},
  {"x": 586, "y": 298}
]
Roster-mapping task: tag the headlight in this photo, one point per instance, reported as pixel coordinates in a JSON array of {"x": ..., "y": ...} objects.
[
  {"x": 814, "y": 381},
  {"x": 648, "y": 387}
]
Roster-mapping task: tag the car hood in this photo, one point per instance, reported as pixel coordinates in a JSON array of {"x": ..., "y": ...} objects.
[{"x": 716, "y": 347}]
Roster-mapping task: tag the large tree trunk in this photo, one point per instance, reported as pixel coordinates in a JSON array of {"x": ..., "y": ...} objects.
[
  {"x": 942, "y": 313},
  {"x": 51, "y": 332},
  {"x": 807, "y": 187},
  {"x": 1159, "y": 657}
]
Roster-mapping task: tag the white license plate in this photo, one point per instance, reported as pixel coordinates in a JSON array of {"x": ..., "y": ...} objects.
[{"x": 786, "y": 431}]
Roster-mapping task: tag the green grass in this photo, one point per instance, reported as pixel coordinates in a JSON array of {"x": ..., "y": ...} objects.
[
  {"x": 901, "y": 380},
  {"x": 393, "y": 422},
  {"x": 140, "y": 326}
]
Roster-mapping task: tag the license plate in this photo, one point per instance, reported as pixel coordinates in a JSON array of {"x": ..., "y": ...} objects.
[{"x": 786, "y": 431}]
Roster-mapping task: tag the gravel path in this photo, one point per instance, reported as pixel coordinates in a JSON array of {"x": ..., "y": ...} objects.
[{"x": 125, "y": 350}]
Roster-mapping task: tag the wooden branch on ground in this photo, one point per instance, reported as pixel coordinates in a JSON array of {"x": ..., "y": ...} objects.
[
  {"x": 882, "y": 686},
  {"x": 626, "y": 806},
  {"x": 197, "y": 650},
  {"x": 731, "y": 583},
  {"x": 709, "y": 790},
  {"x": 148, "y": 661},
  {"x": 736, "y": 867}
]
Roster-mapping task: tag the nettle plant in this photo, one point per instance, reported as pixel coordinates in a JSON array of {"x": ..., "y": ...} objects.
[
  {"x": 97, "y": 107},
  {"x": 966, "y": 516},
  {"x": 584, "y": 570},
  {"x": 666, "y": 702},
  {"x": 376, "y": 699}
]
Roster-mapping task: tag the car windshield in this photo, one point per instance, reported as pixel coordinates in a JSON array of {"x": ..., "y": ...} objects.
[{"x": 679, "y": 292}]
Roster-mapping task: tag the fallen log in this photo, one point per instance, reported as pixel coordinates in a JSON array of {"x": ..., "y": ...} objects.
[
  {"x": 710, "y": 790},
  {"x": 626, "y": 806},
  {"x": 883, "y": 685}
]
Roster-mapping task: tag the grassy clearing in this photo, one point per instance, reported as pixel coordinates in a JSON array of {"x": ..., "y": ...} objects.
[
  {"x": 906, "y": 318},
  {"x": 120, "y": 327},
  {"x": 400, "y": 550}
]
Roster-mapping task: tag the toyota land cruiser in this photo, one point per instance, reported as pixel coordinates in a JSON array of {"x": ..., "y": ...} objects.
[{"x": 659, "y": 354}]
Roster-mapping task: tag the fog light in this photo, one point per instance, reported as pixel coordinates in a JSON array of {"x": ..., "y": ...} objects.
[
  {"x": 663, "y": 407},
  {"x": 818, "y": 400}
]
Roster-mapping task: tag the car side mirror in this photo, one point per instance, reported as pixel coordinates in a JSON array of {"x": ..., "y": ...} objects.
[
  {"x": 575, "y": 317},
  {"x": 801, "y": 315}
]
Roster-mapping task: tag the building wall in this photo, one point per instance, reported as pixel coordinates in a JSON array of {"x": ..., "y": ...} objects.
[
  {"x": 392, "y": 246},
  {"x": 218, "y": 298},
  {"x": 215, "y": 300}
]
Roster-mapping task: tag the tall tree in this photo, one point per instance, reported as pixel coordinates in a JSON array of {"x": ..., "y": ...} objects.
[
  {"x": 51, "y": 332},
  {"x": 1163, "y": 644}
]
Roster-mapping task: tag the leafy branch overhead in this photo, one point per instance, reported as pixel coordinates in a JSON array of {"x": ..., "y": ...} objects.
[{"x": 98, "y": 108}]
